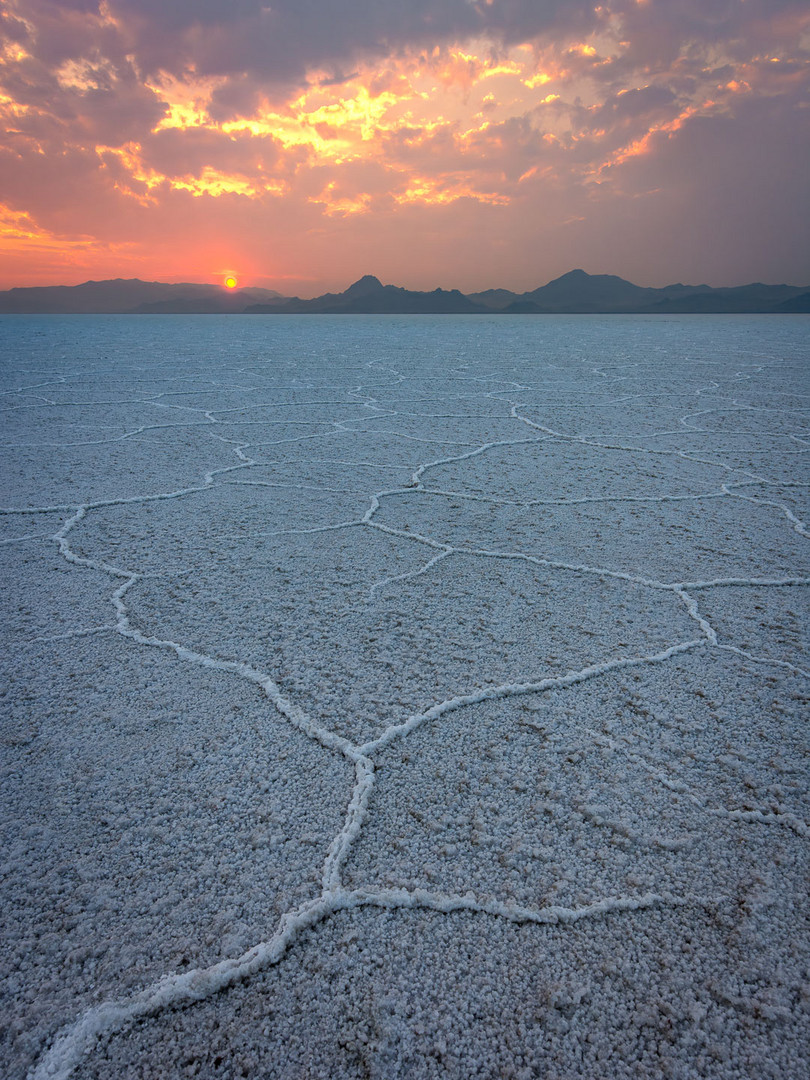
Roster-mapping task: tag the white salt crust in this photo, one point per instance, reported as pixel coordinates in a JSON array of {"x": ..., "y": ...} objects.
[{"x": 485, "y": 631}]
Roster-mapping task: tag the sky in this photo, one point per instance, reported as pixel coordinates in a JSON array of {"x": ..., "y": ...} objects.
[{"x": 471, "y": 144}]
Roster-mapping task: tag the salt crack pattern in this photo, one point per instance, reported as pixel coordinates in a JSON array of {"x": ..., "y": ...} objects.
[{"x": 488, "y": 433}]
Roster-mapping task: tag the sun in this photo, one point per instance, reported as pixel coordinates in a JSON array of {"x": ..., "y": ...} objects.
[{"x": 230, "y": 282}]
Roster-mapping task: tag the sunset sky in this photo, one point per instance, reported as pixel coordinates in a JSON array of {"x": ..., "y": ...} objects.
[{"x": 297, "y": 144}]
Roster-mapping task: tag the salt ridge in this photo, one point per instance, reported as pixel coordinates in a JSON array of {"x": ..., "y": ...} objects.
[{"x": 78, "y": 1039}]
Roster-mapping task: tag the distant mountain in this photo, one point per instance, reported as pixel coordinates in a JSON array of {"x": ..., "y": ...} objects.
[
  {"x": 132, "y": 295},
  {"x": 497, "y": 299},
  {"x": 574, "y": 293},
  {"x": 745, "y": 299},
  {"x": 796, "y": 304},
  {"x": 579, "y": 293},
  {"x": 368, "y": 285},
  {"x": 369, "y": 296}
]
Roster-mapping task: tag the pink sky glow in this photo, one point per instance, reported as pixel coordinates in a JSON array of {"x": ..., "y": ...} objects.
[{"x": 297, "y": 145}]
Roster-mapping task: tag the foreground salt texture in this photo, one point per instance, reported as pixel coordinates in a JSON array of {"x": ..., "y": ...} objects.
[{"x": 405, "y": 697}]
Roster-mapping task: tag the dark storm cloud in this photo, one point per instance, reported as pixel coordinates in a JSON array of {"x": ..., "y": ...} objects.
[
  {"x": 622, "y": 116},
  {"x": 630, "y": 104},
  {"x": 279, "y": 41},
  {"x": 172, "y": 152},
  {"x": 262, "y": 44},
  {"x": 239, "y": 96},
  {"x": 107, "y": 105}
]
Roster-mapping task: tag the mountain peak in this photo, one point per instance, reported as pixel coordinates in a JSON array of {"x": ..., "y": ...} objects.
[
  {"x": 582, "y": 276},
  {"x": 364, "y": 286}
]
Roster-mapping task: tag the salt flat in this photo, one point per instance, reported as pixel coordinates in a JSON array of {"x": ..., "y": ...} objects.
[{"x": 405, "y": 697}]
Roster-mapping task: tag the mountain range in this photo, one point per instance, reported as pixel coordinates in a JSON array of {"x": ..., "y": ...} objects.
[
  {"x": 129, "y": 297},
  {"x": 574, "y": 293}
]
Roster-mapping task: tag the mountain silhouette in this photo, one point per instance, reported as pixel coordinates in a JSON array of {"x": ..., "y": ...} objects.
[
  {"x": 367, "y": 285},
  {"x": 580, "y": 293},
  {"x": 125, "y": 296},
  {"x": 576, "y": 292},
  {"x": 368, "y": 296}
]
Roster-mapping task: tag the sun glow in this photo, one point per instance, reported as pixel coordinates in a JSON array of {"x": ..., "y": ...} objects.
[{"x": 230, "y": 282}]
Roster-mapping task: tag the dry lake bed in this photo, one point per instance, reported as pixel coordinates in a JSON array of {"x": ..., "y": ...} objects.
[{"x": 415, "y": 697}]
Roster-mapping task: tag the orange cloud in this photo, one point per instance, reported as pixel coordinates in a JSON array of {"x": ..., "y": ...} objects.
[
  {"x": 34, "y": 252},
  {"x": 125, "y": 127},
  {"x": 442, "y": 190},
  {"x": 341, "y": 206},
  {"x": 643, "y": 145},
  {"x": 18, "y": 229}
]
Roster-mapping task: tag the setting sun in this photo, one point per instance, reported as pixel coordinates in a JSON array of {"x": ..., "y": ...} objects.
[{"x": 230, "y": 282}]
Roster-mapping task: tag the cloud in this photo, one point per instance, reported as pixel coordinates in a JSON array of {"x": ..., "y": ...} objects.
[
  {"x": 279, "y": 42},
  {"x": 174, "y": 152},
  {"x": 549, "y": 128},
  {"x": 714, "y": 201}
]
